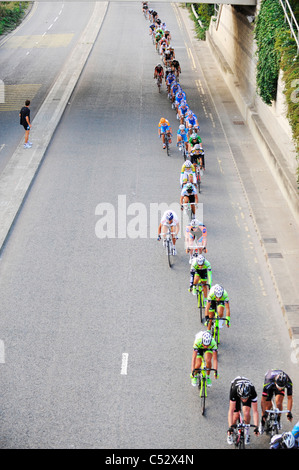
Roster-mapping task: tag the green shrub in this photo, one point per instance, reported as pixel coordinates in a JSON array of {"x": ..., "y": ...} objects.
[
  {"x": 277, "y": 50},
  {"x": 11, "y": 13}
]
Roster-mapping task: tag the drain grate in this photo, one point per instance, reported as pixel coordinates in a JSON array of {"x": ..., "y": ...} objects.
[
  {"x": 274, "y": 255},
  {"x": 238, "y": 123},
  {"x": 295, "y": 330},
  {"x": 292, "y": 308},
  {"x": 269, "y": 240}
]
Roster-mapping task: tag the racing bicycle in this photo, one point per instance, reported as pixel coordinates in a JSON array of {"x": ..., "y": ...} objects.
[
  {"x": 201, "y": 299},
  {"x": 168, "y": 245},
  {"x": 272, "y": 425},
  {"x": 195, "y": 250},
  {"x": 202, "y": 383},
  {"x": 239, "y": 432},
  {"x": 167, "y": 142},
  {"x": 188, "y": 210},
  {"x": 159, "y": 82},
  {"x": 182, "y": 148},
  {"x": 216, "y": 326}
]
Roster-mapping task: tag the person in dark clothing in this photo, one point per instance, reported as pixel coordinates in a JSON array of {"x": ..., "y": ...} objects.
[{"x": 25, "y": 122}]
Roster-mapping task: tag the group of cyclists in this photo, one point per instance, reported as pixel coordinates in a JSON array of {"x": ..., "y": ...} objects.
[{"x": 242, "y": 395}]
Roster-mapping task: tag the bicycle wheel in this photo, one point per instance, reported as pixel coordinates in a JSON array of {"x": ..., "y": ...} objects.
[
  {"x": 167, "y": 145},
  {"x": 274, "y": 430},
  {"x": 159, "y": 83},
  {"x": 240, "y": 441},
  {"x": 203, "y": 391},
  {"x": 200, "y": 304},
  {"x": 169, "y": 252}
]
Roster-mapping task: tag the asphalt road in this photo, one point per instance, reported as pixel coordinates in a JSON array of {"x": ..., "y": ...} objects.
[
  {"x": 98, "y": 332},
  {"x": 31, "y": 58}
]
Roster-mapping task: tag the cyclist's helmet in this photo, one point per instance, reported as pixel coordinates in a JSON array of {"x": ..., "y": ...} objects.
[
  {"x": 181, "y": 127},
  {"x": 169, "y": 216},
  {"x": 183, "y": 103},
  {"x": 218, "y": 291},
  {"x": 194, "y": 223},
  {"x": 281, "y": 380},
  {"x": 288, "y": 440},
  {"x": 163, "y": 120},
  {"x": 206, "y": 338},
  {"x": 188, "y": 164},
  {"x": 194, "y": 136},
  {"x": 196, "y": 147},
  {"x": 243, "y": 390},
  {"x": 159, "y": 65},
  {"x": 200, "y": 260}
]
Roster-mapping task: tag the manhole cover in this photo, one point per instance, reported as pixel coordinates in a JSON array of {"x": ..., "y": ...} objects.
[
  {"x": 292, "y": 308},
  {"x": 274, "y": 255},
  {"x": 270, "y": 240}
]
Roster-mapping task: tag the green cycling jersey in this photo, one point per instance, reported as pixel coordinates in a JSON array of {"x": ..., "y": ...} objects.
[{"x": 204, "y": 270}]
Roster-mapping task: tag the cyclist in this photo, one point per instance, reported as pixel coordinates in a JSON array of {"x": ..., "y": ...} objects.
[
  {"x": 154, "y": 15},
  {"x": 169, "y": 219},
  {"x": 167, "y": 57},
  {"x": 163, "y": 128},
  {"x": 217, "y": 298},
  {"x": 201, "y": 271},
  {"x": 159, "y": 71},
  {"x": 169, "y": 80},
  {"x": 194, "y": 140},
  {"x": 189, "y": 194},
  {"x": 182, "y": 136},
  {"x": 150, "y": 15},
  {"x": 182, "y": 111},
  {"x": 285, "y": 440},
  {"x": 188, "y": 171},
  {"x": 192, "y": 122},
  {"x": 275, "y": 383},
  {"x": 162, "y": 45},
  {"x": 168, "y": 38},
  {"x": 145, "y": 8},
  {"x": 158, "y": 37},
  {"x": 176, "y": 68},
  {"x": 196, "y": 230},
  {"x": 242, "y": 391},
  {"x": 204, "y": 345},
  {"x": 175, "y": 87},
  {"x": 179, "y": 97},
  {"x": 197, "y": 156},
  {"x": 152, "y": 29},
  {"x": 295, "y": 431}
]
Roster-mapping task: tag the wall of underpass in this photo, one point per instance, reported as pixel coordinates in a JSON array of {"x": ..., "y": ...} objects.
[{"x": 232, "y": 41}]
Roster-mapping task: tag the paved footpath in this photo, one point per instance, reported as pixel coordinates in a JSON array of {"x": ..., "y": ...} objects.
[{"x": 274, "y": 222}]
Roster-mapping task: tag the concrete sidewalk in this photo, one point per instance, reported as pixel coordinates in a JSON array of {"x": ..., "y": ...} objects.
[
  {"x": 274, "y": 214},
  {"x": 20, "y": 171}
]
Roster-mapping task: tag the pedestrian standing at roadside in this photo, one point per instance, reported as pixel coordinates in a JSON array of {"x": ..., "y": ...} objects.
[{"x": 25, "y": 122}]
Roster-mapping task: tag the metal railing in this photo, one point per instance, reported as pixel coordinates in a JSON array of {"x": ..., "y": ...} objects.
[{"x": 290, "y": 18}]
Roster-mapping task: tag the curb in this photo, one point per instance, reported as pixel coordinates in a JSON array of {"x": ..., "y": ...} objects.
[{"x": 20, "y": 171}]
